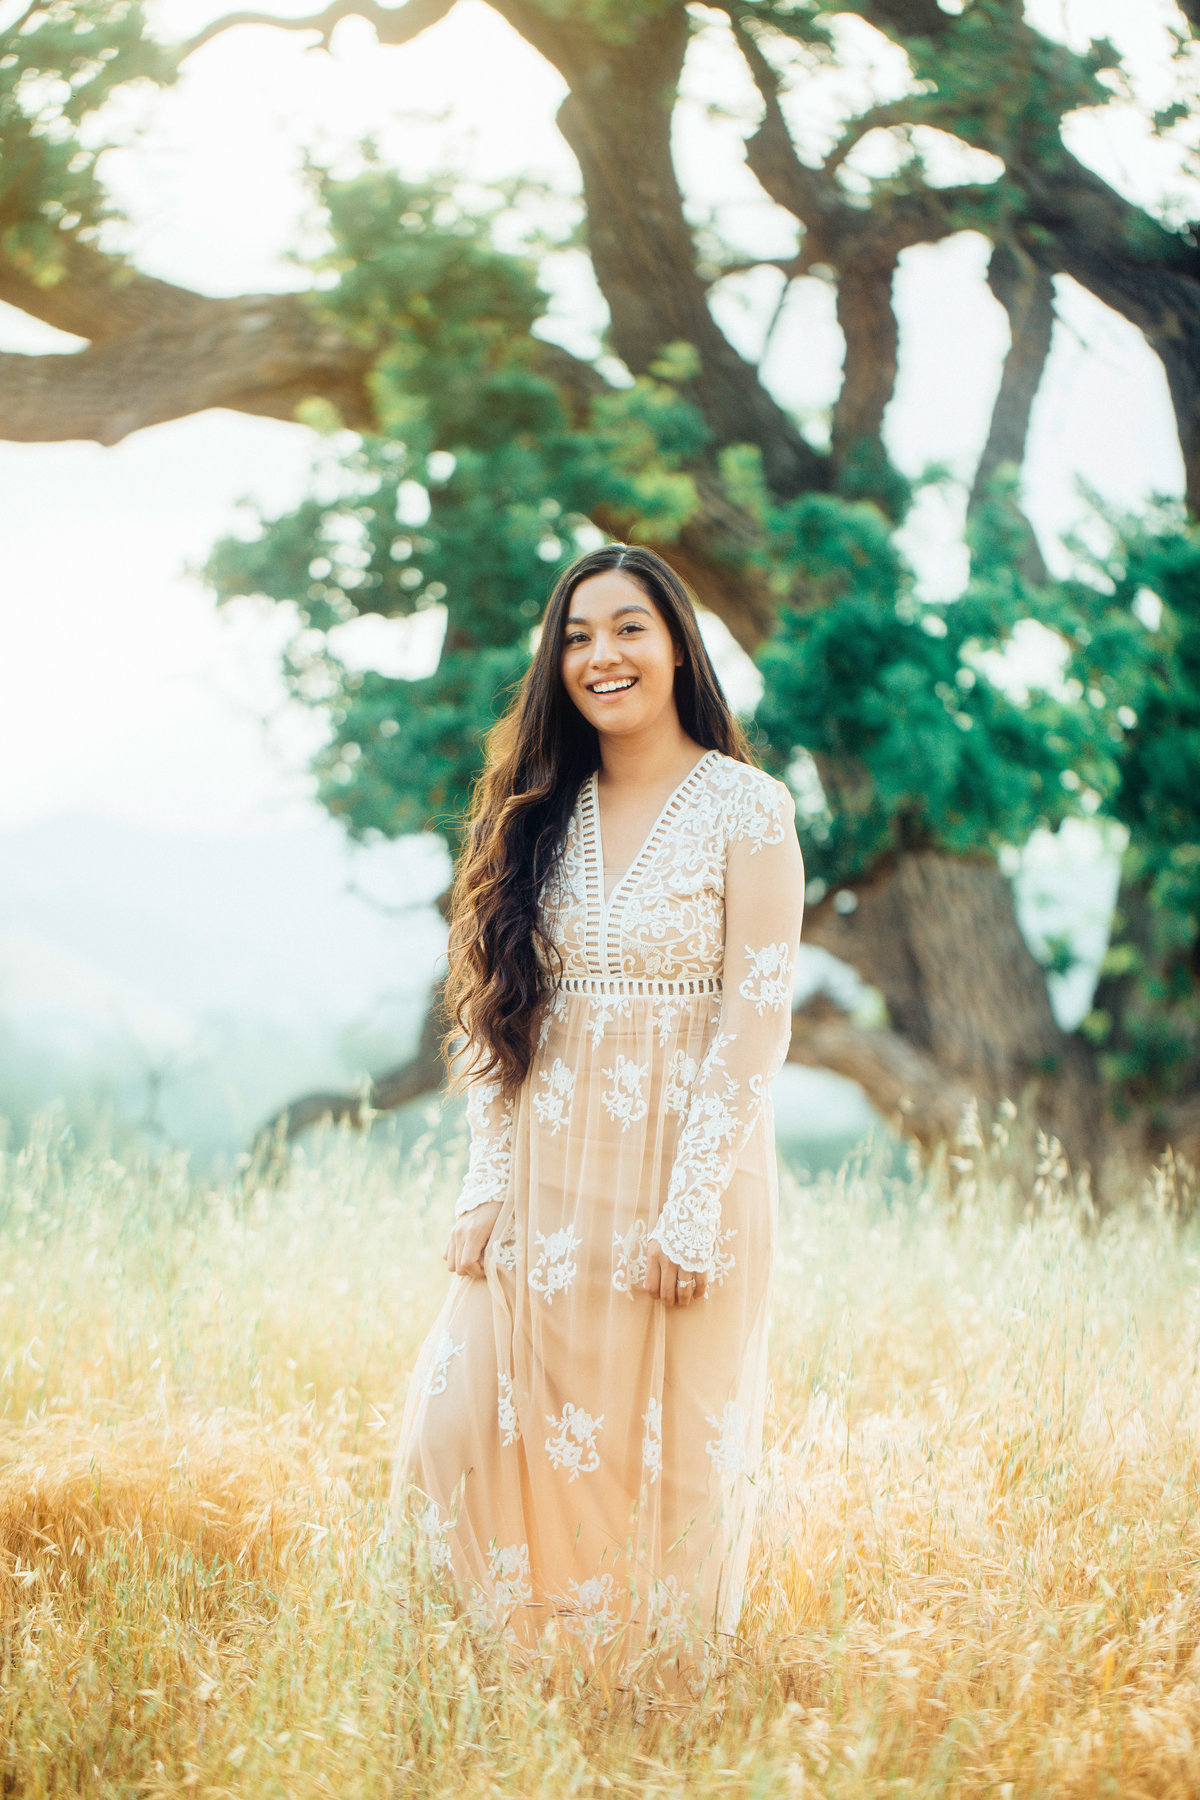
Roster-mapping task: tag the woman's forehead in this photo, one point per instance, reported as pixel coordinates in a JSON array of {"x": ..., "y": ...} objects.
[{"x": 607, "y": 594}]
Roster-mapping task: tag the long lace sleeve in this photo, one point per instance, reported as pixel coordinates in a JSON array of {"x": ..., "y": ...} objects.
[
  {"x": 764, "y": 904},
  {"x": 490, "y": 1118}
]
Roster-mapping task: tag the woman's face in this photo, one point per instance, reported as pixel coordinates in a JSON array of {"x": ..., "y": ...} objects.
[{"x": 618, "y": 657}]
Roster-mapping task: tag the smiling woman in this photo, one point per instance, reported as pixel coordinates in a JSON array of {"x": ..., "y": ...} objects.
[{"x": 583, "y": 1423}]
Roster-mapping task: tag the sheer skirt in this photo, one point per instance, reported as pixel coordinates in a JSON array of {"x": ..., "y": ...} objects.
[{"x": 581, "y": 1452}]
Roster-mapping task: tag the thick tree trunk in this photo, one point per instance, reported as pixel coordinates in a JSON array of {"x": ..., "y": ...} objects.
[
  {"x": 1150, "y": 1120},
  {"x": 938, "y": 937}
]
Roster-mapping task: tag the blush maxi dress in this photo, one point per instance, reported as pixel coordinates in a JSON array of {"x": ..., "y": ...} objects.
[{"x": 572, "y": 1449}]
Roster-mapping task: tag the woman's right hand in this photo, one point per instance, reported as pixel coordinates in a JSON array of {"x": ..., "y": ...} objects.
[{"x": 469, "y": 1239}]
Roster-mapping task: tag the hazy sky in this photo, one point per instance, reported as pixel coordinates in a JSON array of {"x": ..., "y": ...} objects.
[{"x": 135, "y": 699}]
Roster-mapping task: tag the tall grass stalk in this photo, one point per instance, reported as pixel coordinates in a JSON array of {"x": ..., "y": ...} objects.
[{"x": 978, "y": 1562}]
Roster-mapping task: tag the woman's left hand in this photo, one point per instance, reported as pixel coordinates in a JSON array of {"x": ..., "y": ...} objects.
[
  {"x": 469, "y": 1239},
  {"x": 674, "y": 1286}
]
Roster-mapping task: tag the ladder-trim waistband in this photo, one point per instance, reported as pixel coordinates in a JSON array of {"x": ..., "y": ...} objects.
[{"x": 638, "y": 985}]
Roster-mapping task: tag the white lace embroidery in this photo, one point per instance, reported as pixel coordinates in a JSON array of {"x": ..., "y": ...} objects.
[
  {"x": 668, "y": 920},
  {"x": 508, "y": 1566},
  {"x": 680, "y": 1077},
  {"x": 769, "y": 982},
  {"x": 604, "y": 1008},
  {"x": 555, "y": 1269},
  {"x": 688, "y": 1224},
  {"x": 667, "y": 1012},
  {"x": 490, "y": 1118},
  {"x": 652, "y": 1442},
  {"x": 572, "y": 1444},
  {"x": 444, "y": 1351},
  {"x": 505, "y": 1252},
  {"x": 556, "y": 1009},
  {"x": 761, "y": 812},
  {"x": 625, "y": 1101},
  {"x": 593, "y": 1602},
  {"x": 434, "y": 1529},
  {"x": 665, "y": 1610},
  {"x": 553, "y": 1108},
  {"x": 506, "y": 1411},
  {"x": 629, "y": 1258},
  {"x": 728, "y": 1449},
  {"x": 724, "y": 1262}
]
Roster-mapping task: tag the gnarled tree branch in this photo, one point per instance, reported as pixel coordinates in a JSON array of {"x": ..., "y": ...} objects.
[
  {"x": 1027, "y": 294},
  {"x": 263, "y": 355},
  {"x": 392, "y": 24}
]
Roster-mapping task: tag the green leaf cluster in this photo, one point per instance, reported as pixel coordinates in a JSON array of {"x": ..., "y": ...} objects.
[
  {"x": 58, "y": 67},
  {"x": 484, "y": 445},
  {"x": 916, "y": 743},
  {"x": 1135, "y": 637}
]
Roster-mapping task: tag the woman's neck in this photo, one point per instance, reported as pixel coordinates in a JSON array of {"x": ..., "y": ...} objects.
[{"x": 647, "y": 760}]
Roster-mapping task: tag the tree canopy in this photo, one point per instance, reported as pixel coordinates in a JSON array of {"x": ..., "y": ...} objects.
[{"x": 483, "y": 454}]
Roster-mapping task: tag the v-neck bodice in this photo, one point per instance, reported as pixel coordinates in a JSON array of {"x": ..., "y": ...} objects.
[
  {"x": 663, "y": 918},
  {"x": 592, "y": 801}
]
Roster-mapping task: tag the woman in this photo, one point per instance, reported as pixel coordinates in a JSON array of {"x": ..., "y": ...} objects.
[{"x": 585, "y": 1416}]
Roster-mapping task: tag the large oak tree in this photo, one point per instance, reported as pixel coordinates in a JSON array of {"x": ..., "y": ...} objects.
[{"x": 421, "y": 338}]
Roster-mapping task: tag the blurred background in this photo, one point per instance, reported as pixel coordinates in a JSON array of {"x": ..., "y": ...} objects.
[{"x": 217, "y": 893}]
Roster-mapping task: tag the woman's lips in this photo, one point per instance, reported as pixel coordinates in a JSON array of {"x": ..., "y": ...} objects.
[{"x": 615, "y": 693}]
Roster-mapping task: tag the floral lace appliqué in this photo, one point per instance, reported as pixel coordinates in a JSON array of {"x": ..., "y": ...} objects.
[
  {"x": 490, "y": 1118},
  {"x": 629, "y": 1258},
  {"x": 605, "y": 1008},
  {"x": 506, "y": 1411},
  {"x": 433, "y": 1530},
  {"x": 593, "y": 1614},
  {"x": 680, "y": 1076},
  {"x": 553, "y": 1108},
  {"x": 769, "y": 983},
  {"x": 652, "y": 1442},
  {"x": 626, "y": 1101},
  {"x": 728, "y": 1448},
  {"x": 555, "y": 1268},
  {"x": 508, "y": 1567},
  {"x": 444, "y": 1351},
  {"x": 572, "y": 1442}
]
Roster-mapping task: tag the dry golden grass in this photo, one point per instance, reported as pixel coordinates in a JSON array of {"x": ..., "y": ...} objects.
[{"x": 978, "y": 1569}]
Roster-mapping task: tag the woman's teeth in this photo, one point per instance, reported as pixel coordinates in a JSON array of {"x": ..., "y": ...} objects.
[{"x": 613, "y": 687}]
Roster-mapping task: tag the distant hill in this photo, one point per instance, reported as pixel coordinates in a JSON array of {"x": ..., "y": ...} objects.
[
  {"x": 194, "y": 982},
  {"x": 187, "y": 985}
]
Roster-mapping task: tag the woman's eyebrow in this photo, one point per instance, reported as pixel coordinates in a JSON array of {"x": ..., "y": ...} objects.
[{"x": 631, "y": 606}]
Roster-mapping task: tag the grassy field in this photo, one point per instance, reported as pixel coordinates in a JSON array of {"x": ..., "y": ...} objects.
[{"x": 978, "y": 1570}]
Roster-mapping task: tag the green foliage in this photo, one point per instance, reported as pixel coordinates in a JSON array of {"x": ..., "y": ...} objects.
[
  {"x": 480, "y": 445},
  {"x": 57, "y": 69},
  {"x": 1135, "y": 636},
  {"x": 915, "y": 745}
]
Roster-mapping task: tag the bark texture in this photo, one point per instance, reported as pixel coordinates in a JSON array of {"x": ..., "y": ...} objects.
[{"x": 939, "y": 937}]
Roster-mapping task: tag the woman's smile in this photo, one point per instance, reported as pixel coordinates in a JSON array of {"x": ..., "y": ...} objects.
[{"x": 614, "y": 622}]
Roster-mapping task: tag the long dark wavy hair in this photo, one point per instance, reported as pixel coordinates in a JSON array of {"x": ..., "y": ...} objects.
[{"x": 536, "y": 758}]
